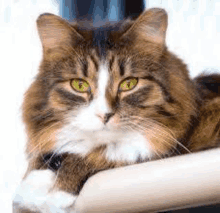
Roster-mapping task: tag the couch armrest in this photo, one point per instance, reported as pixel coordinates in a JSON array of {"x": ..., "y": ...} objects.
[{"x": 167, "y": 184}]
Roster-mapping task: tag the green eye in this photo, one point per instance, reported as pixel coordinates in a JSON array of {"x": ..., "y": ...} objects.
[
  {"x": 128, "y": 84},
  {"x": 80, "y": 85}
]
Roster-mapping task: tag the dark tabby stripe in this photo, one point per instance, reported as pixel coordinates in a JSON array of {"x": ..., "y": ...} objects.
[
  {"x": 95, "y": 62},
  {"x": 122, "y": 68},
  {"x": 211, "y": 82},
  {"x": 162, "y": 111},
  {"x": 111, "y": 62},
  {"x": 85, "y": 68},
  {"x": 217, "y": 129},
  {"x": 168, "y": 97},
  {"x": 65, "y": 95},
  {"x": 137, "y": 98},
  {"x": 47, "y": 118}
]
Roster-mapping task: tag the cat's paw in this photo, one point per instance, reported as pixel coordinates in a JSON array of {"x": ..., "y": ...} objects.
[{"x": 35, "y": 193}]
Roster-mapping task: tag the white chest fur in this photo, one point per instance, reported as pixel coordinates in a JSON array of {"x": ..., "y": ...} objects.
[{"x": 121, "y": 145}]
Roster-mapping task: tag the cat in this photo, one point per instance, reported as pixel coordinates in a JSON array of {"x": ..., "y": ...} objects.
[{"x": 108, "y": 97}]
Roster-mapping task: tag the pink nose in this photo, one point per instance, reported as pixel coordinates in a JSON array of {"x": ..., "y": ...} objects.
[{"x": 105, "y": 117}]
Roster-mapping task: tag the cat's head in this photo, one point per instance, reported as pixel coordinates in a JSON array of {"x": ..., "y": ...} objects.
[{"x": 116, "y": 87}]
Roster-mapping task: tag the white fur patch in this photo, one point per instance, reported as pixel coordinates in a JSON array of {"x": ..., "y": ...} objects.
[
  {"x": 129, "y": 148},
  {"x": 121, "y": 145},
  {"x": 34, "y": 193},
  {"x": 101, "y": 103}
]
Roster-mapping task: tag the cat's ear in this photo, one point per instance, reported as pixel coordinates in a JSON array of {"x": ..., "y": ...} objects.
[
  {"x": 55, "y": 32},
  {"x": 151, "y": 26}
]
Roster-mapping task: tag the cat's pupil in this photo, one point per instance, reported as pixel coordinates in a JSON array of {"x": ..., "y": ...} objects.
[
  {"x": 128, "y": 83},
  {"x": 80, "y": 84}
]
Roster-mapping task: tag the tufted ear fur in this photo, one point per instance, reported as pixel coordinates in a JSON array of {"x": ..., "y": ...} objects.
[
  {"x": 150, "y": 26},
  {"x": 55, "y": 32}
]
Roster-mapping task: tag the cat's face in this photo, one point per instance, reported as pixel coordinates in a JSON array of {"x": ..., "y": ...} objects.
[
  {"x": 113, "y": 87},
  {"x": 110, "y": 103}
]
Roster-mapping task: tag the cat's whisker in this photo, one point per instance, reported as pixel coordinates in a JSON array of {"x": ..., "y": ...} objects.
[
  {"x": 152, "y": 123},
  {"x": 156, "y": 152},
  {"x": 149, "y": 123},
  {"x": 39, "y": 136},
  {"x": 171, "y": 137},
  {"x": 174, "y": 139},
  {"x": 155, "y": 134},
  {"x": 55, "y": 181},
  {"x": 163, "y": 141}
]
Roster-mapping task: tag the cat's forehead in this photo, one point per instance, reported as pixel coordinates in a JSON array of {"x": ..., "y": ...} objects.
[
  {"x": 115, "y": 66},
  {"x": 101, "y": 49},
  {"x": 104, "y": 39}
]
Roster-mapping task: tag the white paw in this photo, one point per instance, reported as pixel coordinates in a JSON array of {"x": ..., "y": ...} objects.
[{"x": 35, "y": 193}]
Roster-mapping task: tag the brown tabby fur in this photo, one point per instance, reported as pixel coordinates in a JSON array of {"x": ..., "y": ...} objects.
[{"x": 187, "y": 110}]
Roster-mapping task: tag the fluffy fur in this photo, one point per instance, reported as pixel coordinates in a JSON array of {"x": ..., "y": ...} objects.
[{"x": 165, "y": 114}]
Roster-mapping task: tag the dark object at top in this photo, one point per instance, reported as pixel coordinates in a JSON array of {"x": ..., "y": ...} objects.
[{"x": 101, "y": 10}]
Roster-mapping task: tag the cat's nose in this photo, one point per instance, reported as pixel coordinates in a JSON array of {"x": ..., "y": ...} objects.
[{"x": 105, "y": 117}]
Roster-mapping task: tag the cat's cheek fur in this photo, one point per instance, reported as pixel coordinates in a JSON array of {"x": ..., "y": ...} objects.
[{"x": 36, "y": 193}]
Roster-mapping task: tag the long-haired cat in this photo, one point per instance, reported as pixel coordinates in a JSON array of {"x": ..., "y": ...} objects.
[{"x": 108, "y": 97}]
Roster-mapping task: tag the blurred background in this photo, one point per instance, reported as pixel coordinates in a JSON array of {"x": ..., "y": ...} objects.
[{"x": 193, "y": 34}]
